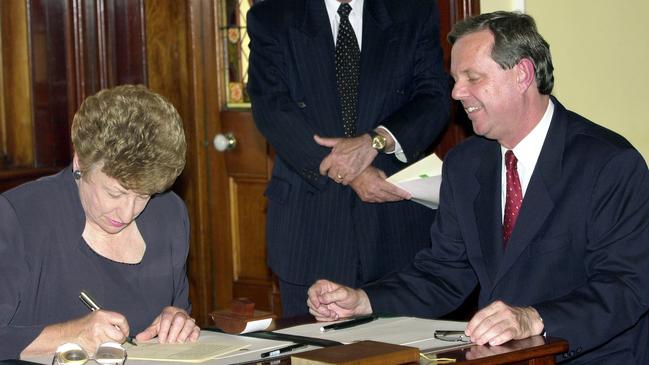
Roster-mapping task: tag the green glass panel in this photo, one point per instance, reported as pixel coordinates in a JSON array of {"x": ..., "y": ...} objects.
[{"x": 234, "y": 38}]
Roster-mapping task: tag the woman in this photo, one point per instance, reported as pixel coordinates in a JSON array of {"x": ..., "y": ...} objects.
[{"x": 104, "y": 225}]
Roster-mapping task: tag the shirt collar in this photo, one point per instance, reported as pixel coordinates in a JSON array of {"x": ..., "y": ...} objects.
[
  {"x": 527, "y": 151},
  {"x": 332, "y": 6}
]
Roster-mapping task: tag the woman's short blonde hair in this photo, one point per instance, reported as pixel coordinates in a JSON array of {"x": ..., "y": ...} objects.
[{"x": 134, "y": 134}]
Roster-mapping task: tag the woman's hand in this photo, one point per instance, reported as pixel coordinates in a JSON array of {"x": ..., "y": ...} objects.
[
  {"x": 98, "y": 327},
  {"x": 89, "y": 332},
  {"x": 173, "y": 325}
]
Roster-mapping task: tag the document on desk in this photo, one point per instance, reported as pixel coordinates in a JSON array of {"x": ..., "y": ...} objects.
[
  {"x": 214, "y": 347},
  {"x": 422, "y": 180},
  {"x": 193, "y": 352},
  {"x": 407, "y": 331},
  {"x": 250, "y": 349}
]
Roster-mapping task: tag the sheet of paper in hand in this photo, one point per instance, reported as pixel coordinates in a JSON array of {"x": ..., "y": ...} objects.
[{"x": 422, "y": 180}]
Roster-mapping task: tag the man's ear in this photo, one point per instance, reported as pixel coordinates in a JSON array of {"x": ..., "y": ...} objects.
[{"x": 525, "y": 74}]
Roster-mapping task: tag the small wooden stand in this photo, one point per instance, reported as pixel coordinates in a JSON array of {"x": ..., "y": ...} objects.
[{"x": 235, "y": 319}]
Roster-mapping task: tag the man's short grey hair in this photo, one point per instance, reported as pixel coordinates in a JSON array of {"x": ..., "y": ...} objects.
[{"x": 516, "y": 37}]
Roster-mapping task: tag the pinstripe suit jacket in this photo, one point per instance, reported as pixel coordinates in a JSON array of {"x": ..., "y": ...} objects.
[{"x": 317, "y": 228}]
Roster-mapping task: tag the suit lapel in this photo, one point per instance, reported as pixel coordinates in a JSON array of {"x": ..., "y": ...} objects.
[
  {"x": 313, "y": 48},
  {"x": 539, "y": 201},
  {"x": 374, "y": 59},
  {"x": 487, "y": 209}
]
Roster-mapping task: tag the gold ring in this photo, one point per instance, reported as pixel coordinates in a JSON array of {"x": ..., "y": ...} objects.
[{"x": 339, "y": 177}]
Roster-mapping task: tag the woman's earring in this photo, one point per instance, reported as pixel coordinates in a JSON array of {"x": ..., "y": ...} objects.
[{"x": 76, "y": 174}]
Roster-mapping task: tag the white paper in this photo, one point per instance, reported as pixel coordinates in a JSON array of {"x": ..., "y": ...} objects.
[
  {"x": 192, "y": 352},
  {"x": 407, "y": 331},
  {"x": 251, "y": 350},
  {"x": 258, "y": 325},
  {"x": 422, "y": 180}
]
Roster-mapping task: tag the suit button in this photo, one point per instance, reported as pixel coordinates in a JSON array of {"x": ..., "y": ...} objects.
[{"x": 301, "y": 104}]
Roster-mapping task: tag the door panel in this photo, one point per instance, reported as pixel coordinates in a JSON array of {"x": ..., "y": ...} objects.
[
  {"x": 247, "y": 214},
  {"x": 247, "y": 166},
  {"x": 249, "y": 157}
]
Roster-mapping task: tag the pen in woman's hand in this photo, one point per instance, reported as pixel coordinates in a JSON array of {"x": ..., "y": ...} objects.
[{"x": 93, "y": 306}]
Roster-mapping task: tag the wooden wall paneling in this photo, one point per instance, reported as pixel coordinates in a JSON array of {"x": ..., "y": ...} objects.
[
  {"x": 221, "y": 234},
  {"x": 49, "y": 82},
  {"x": 459, "y": 127},
  {"x": 16, "y": 131},
  {"x": 84, "y": 76},
  {"x": 176, "y": 32},
  {"x": 16, "y": 115},
  {"x": 122, "y": 43},
  {"x": 106, "y": 46}
]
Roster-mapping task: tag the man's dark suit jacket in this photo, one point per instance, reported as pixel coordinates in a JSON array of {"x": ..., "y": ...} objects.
[
  {"x": 317, "y": 228},
  {"x": 579, "y": 252}
]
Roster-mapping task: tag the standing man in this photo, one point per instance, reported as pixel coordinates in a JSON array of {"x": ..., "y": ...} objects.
[
  {"x": 547, "y": 212},
  {"x": 346, "y": 92}
]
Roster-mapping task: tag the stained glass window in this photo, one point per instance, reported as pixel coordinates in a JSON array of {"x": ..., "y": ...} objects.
[{"x": 235, "y": 41}]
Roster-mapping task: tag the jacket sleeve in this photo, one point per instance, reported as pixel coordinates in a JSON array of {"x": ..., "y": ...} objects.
[
  {"x": 277, "y": 116},
  {"x": 14, "y": 269},
  {"x": 423, "y": 118},
  {"x": 179, "y": 259},
  {"x": 616, "y": 260},
  {"x": 440, "y": 277}
]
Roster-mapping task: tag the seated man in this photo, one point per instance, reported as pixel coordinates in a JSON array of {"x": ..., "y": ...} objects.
[{"x": 546, "y": 211}]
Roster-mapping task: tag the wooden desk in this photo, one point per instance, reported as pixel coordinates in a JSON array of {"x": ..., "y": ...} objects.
[
  {"x": 536, "y": 350},
  {"x": 532, "y": 351}
]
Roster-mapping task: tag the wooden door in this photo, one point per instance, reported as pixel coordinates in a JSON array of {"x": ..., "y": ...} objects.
[
  {"x": 233, "y": 258},
  {"x": 248, "y": 165}
]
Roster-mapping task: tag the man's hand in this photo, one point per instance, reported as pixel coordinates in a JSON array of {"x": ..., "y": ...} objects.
[
  {"x": 173, "y": 325},
  {"x": 348, "y": 157},
  {"x": 371, "y": 187},
  {"x": 498, "y": 323},
  {"x": 478, "y": 352},
  {"x": 329, "y": 301}
]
